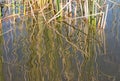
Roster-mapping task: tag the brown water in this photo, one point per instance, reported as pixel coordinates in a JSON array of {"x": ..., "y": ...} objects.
[{"x": 32, "y": 50}]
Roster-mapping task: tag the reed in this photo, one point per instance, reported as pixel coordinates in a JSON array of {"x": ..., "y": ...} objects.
[
  {"x": 52, "y": 47},
  {"x": 19, "y": 7},
  {"x": 42, "y": 3},
  {"x": 13, "y": 7},
  {"x": 0, "y": 13},
  {"x": 24, "y": 8},
  {"x": 87, "y": 10},
  {"x": 92, "y": 19},
  {"x": 82, "y": 8},
  {"x": 58, "y": 5}
]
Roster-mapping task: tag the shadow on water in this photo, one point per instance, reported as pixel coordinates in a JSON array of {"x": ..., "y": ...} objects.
[{"x": 32, "y": 50}]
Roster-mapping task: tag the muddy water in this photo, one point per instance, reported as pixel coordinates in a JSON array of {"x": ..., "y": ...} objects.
[{"x": 31, "y": 50}]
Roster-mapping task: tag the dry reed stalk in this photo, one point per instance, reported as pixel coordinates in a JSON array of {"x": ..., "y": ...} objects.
[
  {"x": 97, "y": 4},
  {"x": 58, "y": 13},
  {"x": 39, "y": 10},
  {"x": 99, "y": 21},
  {"x": 70, "y": 7},
  {"x": 86, "y": 8},
  {"x": 11, "y": 16},
  {"x": 75, "y": 13},
  {"x": 105, "y": 16},
  {"x": 32, "y": 12},
  {"x": 102, "y": 21},
  {"x": 43, "y": 8},
  {"x": 87, "y": 16},
  {"x": 24, "y": 8},
  {"x": 44, "y": 16},
  {"x": 81, "y": 8},
  {"x": 42, "y": 3}
]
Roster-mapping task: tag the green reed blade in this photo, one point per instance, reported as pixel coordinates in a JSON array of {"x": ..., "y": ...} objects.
[
  {"x": 13, "y": 7},
  {"x": 92, "y": 10},
  {"x": 58, "y": 5}
]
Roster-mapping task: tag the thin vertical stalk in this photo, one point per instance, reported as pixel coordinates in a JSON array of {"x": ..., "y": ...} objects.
[
  {"x": 58, "y": 5},
  {"x": 13, "y": 7},
  {"x": 70, "y": 7},
  {"x": 61, "y": 5},
  {"x": 19, "y": 7},
  {"x": 24, "y": 8},
  {"x": 0, "y": 12},
  {"x": 32, "y": 10},
  {"x": 86, "y": 8},
  {"x": 105, "y": 16}
]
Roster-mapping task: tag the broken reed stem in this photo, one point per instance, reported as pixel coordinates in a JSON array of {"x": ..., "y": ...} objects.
[
  {"x": 105, "y": 16},
  {"x": 56, "y": 15},
  {"x": 87, "y": 16},
  {"x": 84, "y": 7}
]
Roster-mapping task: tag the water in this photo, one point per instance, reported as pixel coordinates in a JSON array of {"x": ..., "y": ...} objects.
[{"x": 35, "y": 51}]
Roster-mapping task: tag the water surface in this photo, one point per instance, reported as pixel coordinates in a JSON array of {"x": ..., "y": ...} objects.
[{"x": 32, "y": 50}]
